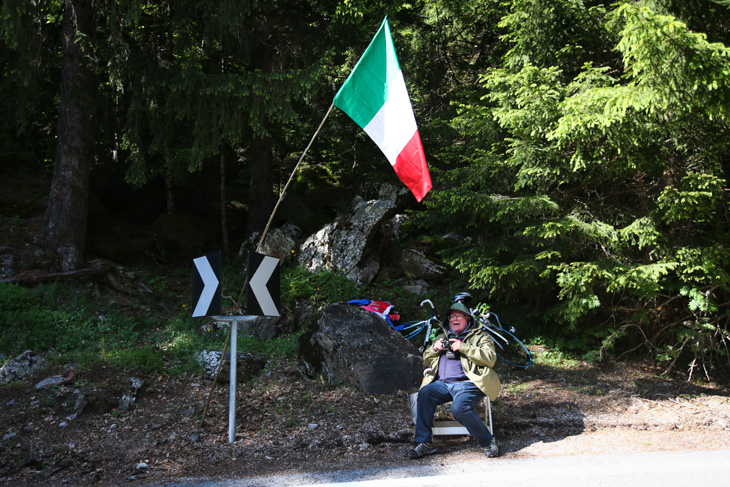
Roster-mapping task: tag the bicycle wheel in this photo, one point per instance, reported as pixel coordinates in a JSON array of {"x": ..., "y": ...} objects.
[
  {"x": 411, "y": 329},
  {"x": 509, "y": 348}
]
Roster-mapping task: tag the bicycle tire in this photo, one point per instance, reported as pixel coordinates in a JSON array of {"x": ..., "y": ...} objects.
[
  {"x": 412, "y": 328},
  {"x": 509, "y": 348}
]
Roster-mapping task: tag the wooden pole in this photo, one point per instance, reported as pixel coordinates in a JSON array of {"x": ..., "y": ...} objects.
[
  {"x": 283, "y": 192},
  {"x": 258, "y": 249}
]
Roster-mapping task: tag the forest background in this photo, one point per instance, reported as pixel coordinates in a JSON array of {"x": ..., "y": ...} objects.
[{"x": 582, "y": 145}]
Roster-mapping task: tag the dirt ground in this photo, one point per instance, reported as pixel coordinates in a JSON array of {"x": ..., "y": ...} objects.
[{"x": 287, "y": 423}]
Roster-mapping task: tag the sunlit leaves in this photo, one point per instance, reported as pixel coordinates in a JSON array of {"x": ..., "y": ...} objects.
[
  {"x": 625, "y": 134},
  {"x": 697, "y": 199},
  {"x": 681, "y": 66}
]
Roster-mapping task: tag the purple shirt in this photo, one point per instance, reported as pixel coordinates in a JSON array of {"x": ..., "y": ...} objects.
[{"x": 450, "y": 369}]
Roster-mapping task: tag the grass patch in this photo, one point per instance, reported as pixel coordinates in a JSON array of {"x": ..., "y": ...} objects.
[{"x": 74, "y": 323}]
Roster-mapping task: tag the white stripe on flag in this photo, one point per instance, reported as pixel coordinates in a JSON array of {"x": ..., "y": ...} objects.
[{"x": 394, "y": 125}]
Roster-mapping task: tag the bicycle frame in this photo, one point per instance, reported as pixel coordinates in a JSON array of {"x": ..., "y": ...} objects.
[{"x": 413, "y": 328}]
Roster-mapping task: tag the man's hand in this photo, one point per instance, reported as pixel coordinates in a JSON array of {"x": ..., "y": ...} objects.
[{"x": 455, "y": 344}]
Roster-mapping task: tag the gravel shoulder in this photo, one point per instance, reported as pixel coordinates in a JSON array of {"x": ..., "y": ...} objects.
[{"x": 287, "y": 423}]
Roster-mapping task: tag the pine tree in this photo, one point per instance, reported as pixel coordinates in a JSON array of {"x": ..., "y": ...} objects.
[{"x": 600, "y": 196}]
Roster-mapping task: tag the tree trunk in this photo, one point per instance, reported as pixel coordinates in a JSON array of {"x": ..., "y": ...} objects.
[
  {"x": 66, "y": 213},
  {"x": 224, "y": 216},
  {"x": 168, "y": 187},
  {"x": 261, "y": 199}
]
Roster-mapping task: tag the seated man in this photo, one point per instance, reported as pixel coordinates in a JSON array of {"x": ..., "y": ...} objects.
[{"x": 460, "y": 363}]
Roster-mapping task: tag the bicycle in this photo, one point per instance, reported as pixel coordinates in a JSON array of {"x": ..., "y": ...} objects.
[
  {"x": 509, "y": 348},
  {"x": 412, "y": 329}
]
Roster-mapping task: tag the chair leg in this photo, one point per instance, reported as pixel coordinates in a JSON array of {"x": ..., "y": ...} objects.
[{"x": 488, "y": 414}]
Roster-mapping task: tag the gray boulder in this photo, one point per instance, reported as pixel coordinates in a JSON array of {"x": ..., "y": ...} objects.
[
  {"x": 279, "y": 243},
  {"x": 21, "y": 366},
  {"x": 417, "y": 264},
  {"x": 360, "y": 348},
  {"x": 347, "y": 245}
]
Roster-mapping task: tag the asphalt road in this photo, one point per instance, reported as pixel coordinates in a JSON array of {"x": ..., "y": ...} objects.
[{"x": 656, "y": 469}]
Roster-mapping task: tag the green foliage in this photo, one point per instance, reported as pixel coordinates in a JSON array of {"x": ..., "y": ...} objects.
[
  {"x": 603, "y": 201},
  {"x": 145, "y": 358},
  {"x": 561, "y": 32},
  {"x": 59, "y": 321},
  {"x": 318, "y": 288},
  {"x": 580, "y": 149},
  {"x": 50, "y": 320},
  {"x": 16, "y": 298},
  {"x": 284, "y": 346},
  {"x": 698, "y": 198},
  {"x": 27, "y": 324}
]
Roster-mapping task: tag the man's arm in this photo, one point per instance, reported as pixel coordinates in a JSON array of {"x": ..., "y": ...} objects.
[{"x": 480, "y": 351}]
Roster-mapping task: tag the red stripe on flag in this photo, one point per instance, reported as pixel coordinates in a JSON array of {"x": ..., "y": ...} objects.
[{"x": 411, "y": 168}]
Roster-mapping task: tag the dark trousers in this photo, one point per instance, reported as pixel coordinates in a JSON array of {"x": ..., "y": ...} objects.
[{"x": 465, "y": 396}]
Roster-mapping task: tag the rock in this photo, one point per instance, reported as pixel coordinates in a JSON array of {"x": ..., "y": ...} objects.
[
  {"x": 50, "y": 381},
  {"x": 360, "y": 348},
  {"x": 13, "y": 260},
  {"x": 261, "y": 327},
  {"x": 81, "y": 402},
  {"x": 420, "y": 288},
  {"x": 393, "y": 228},
  {"x": 397, "y": 194},
  {"x": 415, "y": 263},
  {"x": 279, "y": 243},
  {"x": 248, "y": 365},
  {"x": 21, "y": 366},
  {"x": 345, "y": 244},
  {"x": 129, "y": 398}
]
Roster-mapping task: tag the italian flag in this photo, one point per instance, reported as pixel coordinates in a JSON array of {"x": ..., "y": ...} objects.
[{"x": 376, "y": 98}]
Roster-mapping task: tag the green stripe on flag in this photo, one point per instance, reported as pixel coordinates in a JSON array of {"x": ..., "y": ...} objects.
[{"x": 366, "y": 89}]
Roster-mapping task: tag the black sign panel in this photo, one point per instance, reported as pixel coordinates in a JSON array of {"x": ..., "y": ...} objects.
[
  {"x": 263, "y": 292},
  {"x": 206, "y": 285}
]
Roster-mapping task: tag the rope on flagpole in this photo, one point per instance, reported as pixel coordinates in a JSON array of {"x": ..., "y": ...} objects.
[{"x": 283, "y": 192}]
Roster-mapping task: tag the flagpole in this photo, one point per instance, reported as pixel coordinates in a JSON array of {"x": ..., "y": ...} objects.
[{"x": 283, "y": 192}]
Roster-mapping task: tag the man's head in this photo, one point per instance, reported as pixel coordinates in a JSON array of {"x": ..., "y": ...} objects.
[{"x": 459, "y": 318}]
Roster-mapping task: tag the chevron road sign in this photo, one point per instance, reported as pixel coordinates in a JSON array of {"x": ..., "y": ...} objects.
[
  {"x": 263, "y": 293},
  {"x": 206, "y": 285}
]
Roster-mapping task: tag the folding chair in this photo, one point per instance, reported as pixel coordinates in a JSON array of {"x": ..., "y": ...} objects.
[{"x": 450, "y": 427}]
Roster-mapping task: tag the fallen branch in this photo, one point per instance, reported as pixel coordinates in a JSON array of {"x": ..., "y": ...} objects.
[{"x": 97, "y": 269}]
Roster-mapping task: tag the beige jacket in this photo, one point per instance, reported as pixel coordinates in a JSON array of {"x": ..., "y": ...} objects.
[{"x": 478, "y": 356}]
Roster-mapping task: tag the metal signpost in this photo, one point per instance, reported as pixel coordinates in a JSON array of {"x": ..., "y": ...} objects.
[
  {"x": 233, "y": 320},
  {"x": 263, "y": 299}
]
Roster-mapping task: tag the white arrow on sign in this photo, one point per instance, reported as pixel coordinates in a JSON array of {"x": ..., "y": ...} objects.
[
  {"x": 258, "y": 285},
  {"x": 210, "y": 284}
]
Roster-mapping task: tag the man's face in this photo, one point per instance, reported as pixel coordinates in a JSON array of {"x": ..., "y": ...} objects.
[{"x": 458, "y": 321}]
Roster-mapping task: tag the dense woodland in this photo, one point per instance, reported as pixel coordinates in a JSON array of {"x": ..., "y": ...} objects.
[{"x": 582, "y": 145}]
